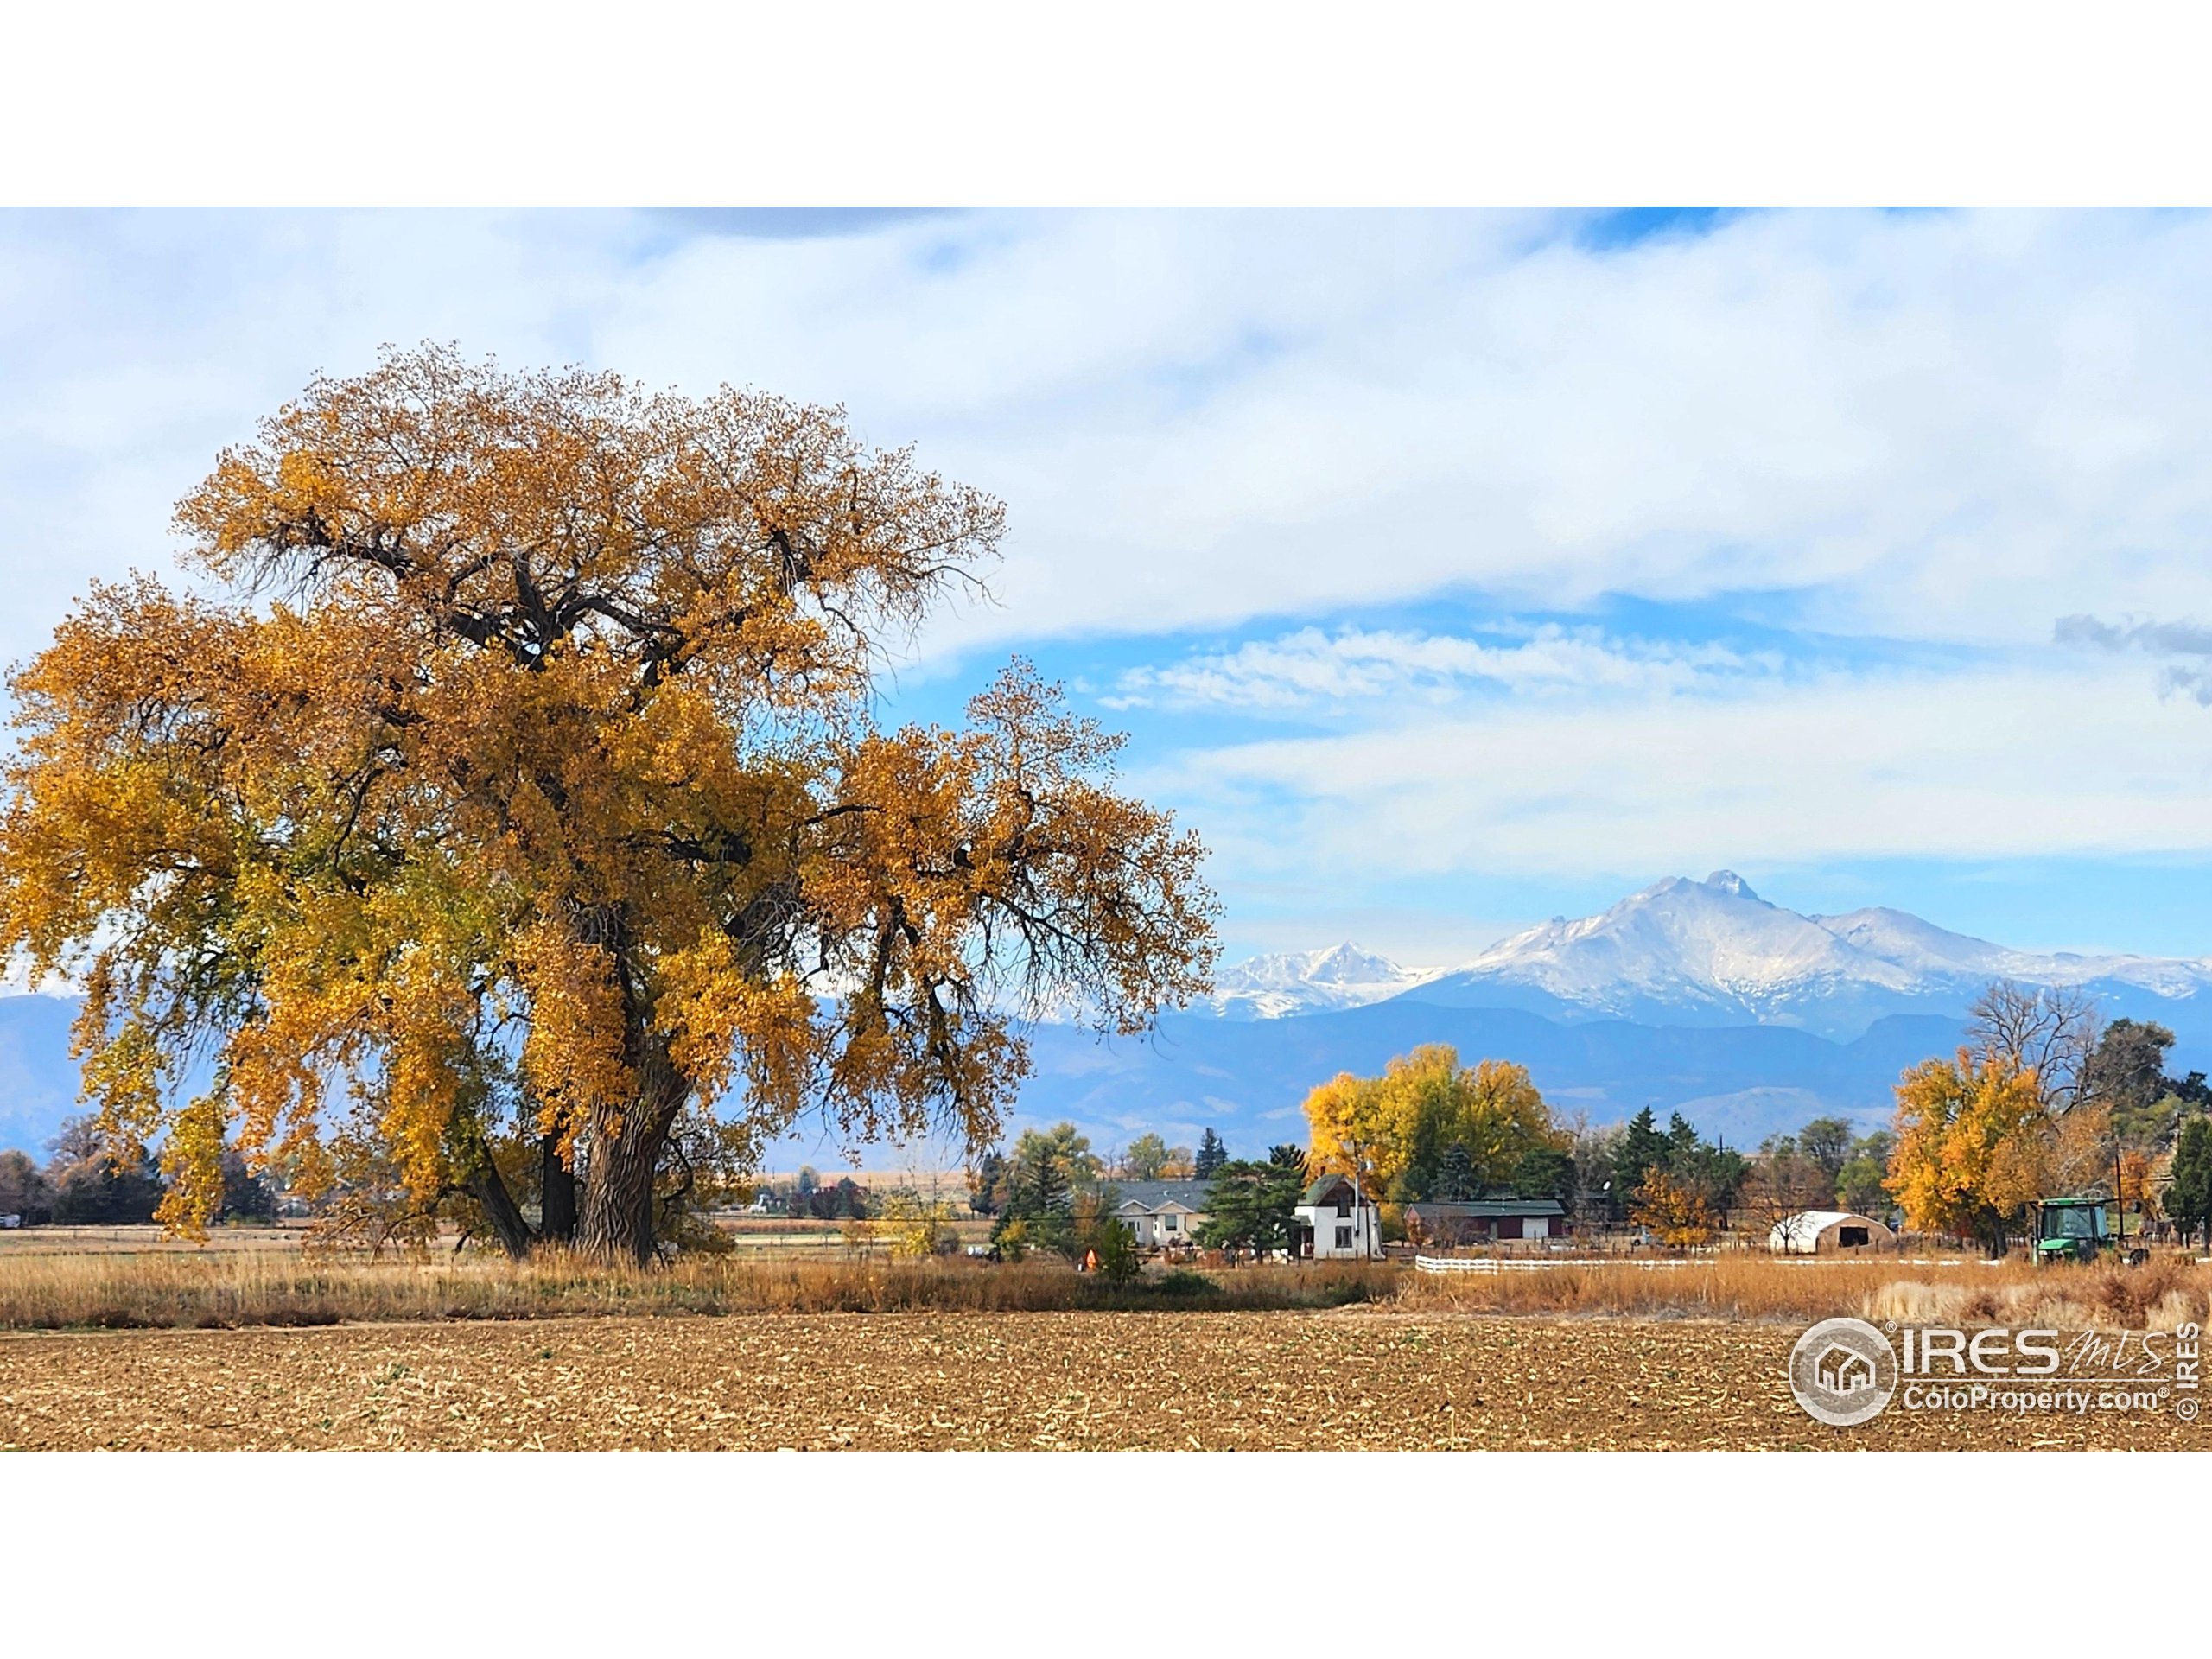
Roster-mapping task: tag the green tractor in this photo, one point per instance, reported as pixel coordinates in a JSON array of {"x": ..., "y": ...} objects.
[
  {"x": 2070, "y": 1228},
  {"x": 2076, "y": 1229}
]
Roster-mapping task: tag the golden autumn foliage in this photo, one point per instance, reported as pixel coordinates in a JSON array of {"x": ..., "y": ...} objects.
[
  {"x": 1394, "y": 1130},
  {"x": 1976, "y": 1146},
  {"x": 1677, "y": 1215},
  {"x": 916, "y": 1228},
  {"x": 525, "y": 786}
]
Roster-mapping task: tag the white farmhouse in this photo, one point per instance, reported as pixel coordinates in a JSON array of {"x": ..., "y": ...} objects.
[
  {"x": 1160, "y": 1214},
  {"x": 1336, "y": 1222}
]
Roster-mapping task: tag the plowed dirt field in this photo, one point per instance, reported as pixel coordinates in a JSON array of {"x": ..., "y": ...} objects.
[{"x": 1352, "y": 1379}]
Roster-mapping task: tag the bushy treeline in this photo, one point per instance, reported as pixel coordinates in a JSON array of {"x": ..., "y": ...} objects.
[
  {"x": 1430, "y": 1129},
  {"x": 88, "y": 1182},
  {"x": 807, "y": 1196},
  {"x": 2045, "y": 1099},
  {"x": 1053, "y": 1194}
]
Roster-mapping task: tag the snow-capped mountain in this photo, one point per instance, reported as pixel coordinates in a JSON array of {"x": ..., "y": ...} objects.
[
  {"x": 1309, "y": 982},
  {"x": 1714, "y": 952}
]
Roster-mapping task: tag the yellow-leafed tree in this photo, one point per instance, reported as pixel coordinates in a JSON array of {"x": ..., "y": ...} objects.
[
  {"x": 1676, "y": 1214},
  {"x": 1974, "y": 1147},
  {"x": 522, "y": 788},
  {"x": 1400, "y": 1128}
]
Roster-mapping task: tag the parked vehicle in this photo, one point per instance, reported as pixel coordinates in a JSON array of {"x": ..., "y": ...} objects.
[{"x": 2076, "y": 1229}]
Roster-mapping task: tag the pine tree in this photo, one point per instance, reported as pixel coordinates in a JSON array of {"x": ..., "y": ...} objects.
[
  {"x": 2188, "y": 1199},
  {"x": 1211, "y": 1156},
  {"x": 1455, "y": 1177},
  {"x": 1642, "y": 1146},
  {"x": 1291, "y": 1156},
  {"x": 987, "y": 1187}
]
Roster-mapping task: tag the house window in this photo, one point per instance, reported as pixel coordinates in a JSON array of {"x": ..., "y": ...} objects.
[
  {"x": 1168, "y": 1222},
  {"x": 1344, "y": 1238}
]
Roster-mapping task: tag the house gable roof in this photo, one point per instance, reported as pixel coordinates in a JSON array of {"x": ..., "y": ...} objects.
[
  {"x": 1153, "y": 1197},
  {"x": 1323, "y": 1191},
  {"x": 1487, "y": 1209}
]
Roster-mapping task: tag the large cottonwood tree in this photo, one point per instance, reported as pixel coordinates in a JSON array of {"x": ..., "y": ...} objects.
[{"x": 520, "y": 780}]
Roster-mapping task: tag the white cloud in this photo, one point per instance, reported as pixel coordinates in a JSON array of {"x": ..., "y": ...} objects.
[
  {"x": 1981, "y": 764},
  {"x": 1308, "y": 667},
  {"x": 1945, "y": 427},
  {"x": 2190, "y": 641}
]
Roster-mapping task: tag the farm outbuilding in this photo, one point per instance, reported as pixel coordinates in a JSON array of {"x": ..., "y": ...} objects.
[
  {"x": 1828, "y": 1232},
  {"x": 1485, "y": 1221}
]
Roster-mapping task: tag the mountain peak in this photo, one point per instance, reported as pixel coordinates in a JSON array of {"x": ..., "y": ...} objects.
[
  {"x": 1687, "y": 952},
  {"x": 1307, "y": 981}
]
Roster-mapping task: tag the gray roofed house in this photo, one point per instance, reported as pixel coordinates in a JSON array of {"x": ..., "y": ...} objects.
[
  {"x": 1161, "y": 1213},
  {"x": 1484, "y": 1220}
]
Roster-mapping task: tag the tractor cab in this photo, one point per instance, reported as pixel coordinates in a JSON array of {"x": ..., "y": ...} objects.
[{"x": 2070, "y": 1228}]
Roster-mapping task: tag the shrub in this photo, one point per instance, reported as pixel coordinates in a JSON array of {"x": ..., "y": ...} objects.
[{"x": 1183, "y": 1282}]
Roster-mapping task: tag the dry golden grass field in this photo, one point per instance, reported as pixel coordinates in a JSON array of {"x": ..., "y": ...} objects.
[
  {"x": 49, "y": 1281},
  {"x": 738, "y": 1351},
  {"x": 1354, "y": 1378}
]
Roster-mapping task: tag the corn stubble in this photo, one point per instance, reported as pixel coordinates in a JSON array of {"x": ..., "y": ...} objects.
[
  {"x": 1355, "y": 1378},
  {"x": 477, "y": 1353}
]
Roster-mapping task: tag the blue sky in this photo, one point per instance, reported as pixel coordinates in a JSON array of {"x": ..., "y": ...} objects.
[{"x": 1448, "y": 570}]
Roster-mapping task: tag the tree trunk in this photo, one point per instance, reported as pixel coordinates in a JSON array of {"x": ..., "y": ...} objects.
[
  {"x": 616, "y": 1222},
  {"x": 557, "y": 1184},
  {"x": 481, "y": 1179}
]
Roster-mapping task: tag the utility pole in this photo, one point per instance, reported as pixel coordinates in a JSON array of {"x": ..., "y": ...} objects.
[
  {"x": 2119, "y": 1198},
  {"x": 1358, "y": 1203}
]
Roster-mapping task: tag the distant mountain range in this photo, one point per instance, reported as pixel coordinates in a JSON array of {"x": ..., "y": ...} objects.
[
  {"x": 1310, "y": 981},
  {"x": 1715, "y": 953},
  {"x": 1696, "y": 997}
]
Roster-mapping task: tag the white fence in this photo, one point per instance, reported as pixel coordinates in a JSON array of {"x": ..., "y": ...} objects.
[
  {"x": 1542, "y": 1264},
  {"x": 1539, "y": 1263}
]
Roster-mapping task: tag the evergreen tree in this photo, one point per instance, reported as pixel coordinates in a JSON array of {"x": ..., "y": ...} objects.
[
  {"x": 2188, "y": 1199},
  {"x": 1050, "y": 1165},
  {"x": 1713, "y": 1172},
  {"x": 2127, "y": 1068},
  {"x": 247, "y": 1197},
  {"x": 987, "y": 1188},
  {"x": 1642, "y": 1147},
  {"x": 1250, "y": 1206},
  {"x": 1288, "y": 1156},
  {"x": 1455, "y": 1176},
  {"x": 1213, "y": 1155},
  {"x": 1545, "y": 1172}
]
